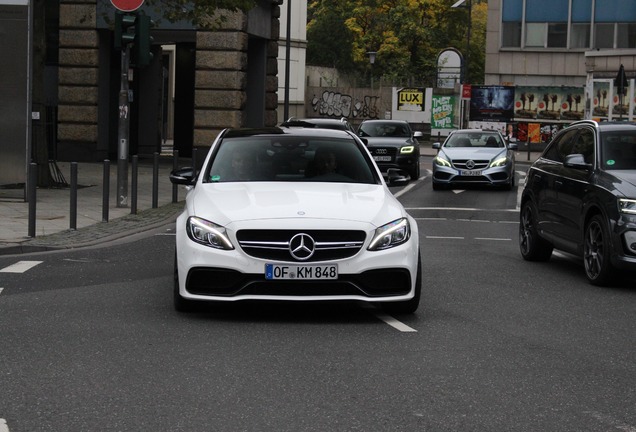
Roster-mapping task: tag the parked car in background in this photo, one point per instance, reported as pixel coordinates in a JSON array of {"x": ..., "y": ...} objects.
[
  {"x": 580, "y": 197},
  {"x": 393, "y": 145},
  {"x": 293, "y": 214},
  {"x": 321, "y": 122},
  {"x": 474, "y": 156}
]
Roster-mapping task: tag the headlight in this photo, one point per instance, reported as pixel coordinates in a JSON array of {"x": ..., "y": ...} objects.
[
  {"x": 502, "y": 161},
  {"x": 207, "y": 233},
  {"x": 627, "y": 205},
  {"x": 438, "y": 160},
  {"x": 407, "y": 150},
  {"x": 391, "y": 235}
]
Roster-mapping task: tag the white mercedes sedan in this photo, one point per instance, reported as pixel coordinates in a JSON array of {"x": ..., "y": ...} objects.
[{"x": 293, "y": 214}]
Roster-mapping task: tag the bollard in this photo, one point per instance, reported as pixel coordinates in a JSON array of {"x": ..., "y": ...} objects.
[
  {"x": 73, "y": 208},
  {"x": 175, "y": 165},
  {"x": 528, "y": 145},
  {"x": 106, "y": 190},
  {"x": 194, "y": 159},
  {"x": 133, "y": 188},
  {"x": 155, "y": 181},
  {"x": 31, "y": 196}
]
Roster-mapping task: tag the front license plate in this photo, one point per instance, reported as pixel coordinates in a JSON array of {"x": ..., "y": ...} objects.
[
  {"x": 300, "y": 272},
  {"x": 471, "y": 173},
  {"x": 382, "y": 158}
]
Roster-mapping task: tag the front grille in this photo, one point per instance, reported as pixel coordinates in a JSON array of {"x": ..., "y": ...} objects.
[
  {"x": 479, "y": 164},
  {"x": 229, "y": 283},
  {"x": 275, "y": 244}
]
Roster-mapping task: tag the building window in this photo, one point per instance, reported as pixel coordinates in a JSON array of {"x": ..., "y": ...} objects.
[
  {"x": 604, "y": 36},
  {"x": 511, "y": 35},
  {"x": 580, "y": 35},
  {"x": 535, "y": 35},
  {"x": 557, "y": 35},
  {"x": 626, "y": 36}
]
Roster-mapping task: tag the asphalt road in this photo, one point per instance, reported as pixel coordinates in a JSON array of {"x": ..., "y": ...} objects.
[{"x": 89, "y": 341}]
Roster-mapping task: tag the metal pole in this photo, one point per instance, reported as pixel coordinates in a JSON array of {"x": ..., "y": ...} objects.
[
  {"x": 287, "y": 60},
  {"x": 155, "y": 181},
  {"x": 73, "y": 209},
  {"x": 194, "y": 159},
  {"x": 470, "y": 19},
  {"x": 175, "y": 165},
  {"x": 133, "y": 187},
  {"x": 123, "y": 131},
  {"x": 106, "y": 190},
  {"x": 32, "y": 196}
]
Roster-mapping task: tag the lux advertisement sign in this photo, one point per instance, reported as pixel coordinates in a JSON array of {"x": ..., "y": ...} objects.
[{"x": 410, "y": 99}]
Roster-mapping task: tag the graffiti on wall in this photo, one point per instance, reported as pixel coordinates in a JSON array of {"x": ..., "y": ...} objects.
[{"x": 335, "y": 104}]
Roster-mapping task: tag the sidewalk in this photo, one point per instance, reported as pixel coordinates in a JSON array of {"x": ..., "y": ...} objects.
[{"x": 52, "y": 225}]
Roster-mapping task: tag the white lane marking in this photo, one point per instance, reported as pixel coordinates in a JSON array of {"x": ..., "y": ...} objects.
[
  {"x": 610, "y": 421},
  {"x": 493, "y": 239},
  {"x": 406, "y": 189},
  {"x": 398, "y": 325},
  {"x": 432, "y": 219},
  {"x": 20, "y": 267},
  {"x": 166, "y": 234},
  {"x": 3, "y": 425},
  {"x": 1, "y": 289},
  {"x": 444, "y": 237},
  {"x": 458, "y": 191},
  {"x": 473, "y": 220}
]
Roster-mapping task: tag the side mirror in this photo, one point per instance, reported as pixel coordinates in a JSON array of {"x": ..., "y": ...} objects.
[
  {"x": 396, "y": 177},
  {"x": 437, "y": 146},
  {"x": 513, "y": 146},
  {"x": 418, "y": 134},
  {"x": 576, "y": 161},
  {"x": 183, "y": 176}
]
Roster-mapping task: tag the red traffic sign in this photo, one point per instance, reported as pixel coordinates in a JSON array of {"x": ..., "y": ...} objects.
[{"x": 127, "y": 5}]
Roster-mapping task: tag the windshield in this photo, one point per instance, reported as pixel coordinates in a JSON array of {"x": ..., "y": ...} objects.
[
  {"x": 289, "y": 158},
  {"x": 618, "y": 150},
  {"x": 381, "y": 129},
  {"x": 475, "y": 140}
]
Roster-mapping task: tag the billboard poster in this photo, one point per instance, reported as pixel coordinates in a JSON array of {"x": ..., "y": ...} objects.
[
  {"x": 442, "y": 112},
  {"x": 600, "y": 98},
  {"x": 494, "y": 103},
  {"x": 410, "y": 99},
  {"x": 550, "y": 103}
]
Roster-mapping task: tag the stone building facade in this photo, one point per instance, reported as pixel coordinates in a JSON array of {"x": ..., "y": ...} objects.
[{"x": 224, "y": 78}]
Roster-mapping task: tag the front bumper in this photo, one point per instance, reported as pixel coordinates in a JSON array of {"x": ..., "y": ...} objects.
[
  {"x": 209, "y": 274},
  {"x": 490, "y": 176}
]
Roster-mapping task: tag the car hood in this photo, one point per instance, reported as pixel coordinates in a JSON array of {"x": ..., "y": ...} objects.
[
  {"x": 389, "y": 141},
  {"x": 225, "y": 203},
  {"x": 473, "y": 153},
  {"x": 624, "y": 182}
]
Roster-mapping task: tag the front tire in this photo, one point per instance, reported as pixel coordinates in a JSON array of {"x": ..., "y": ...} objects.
[
  {"x": 532, "y": 247},
  {"x": 596, "y": 253}
]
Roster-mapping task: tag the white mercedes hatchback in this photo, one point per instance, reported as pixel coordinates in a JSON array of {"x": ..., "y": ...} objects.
[{"x": 293, "y": 214}]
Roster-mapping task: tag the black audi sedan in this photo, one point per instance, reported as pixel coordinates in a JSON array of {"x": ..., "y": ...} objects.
[
  {"x": 580, "y": 197},
  {"x": 393, "y": 145}
]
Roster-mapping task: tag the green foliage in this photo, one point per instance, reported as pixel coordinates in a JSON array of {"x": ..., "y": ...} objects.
[
  {"x": 407, "y": 36},
  {"x": 202, "y": 13}
]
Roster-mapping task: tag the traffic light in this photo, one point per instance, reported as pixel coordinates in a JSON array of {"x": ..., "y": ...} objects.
[
  {"x": 143, "y": 42},
  {"x": 124, "y": 30}
]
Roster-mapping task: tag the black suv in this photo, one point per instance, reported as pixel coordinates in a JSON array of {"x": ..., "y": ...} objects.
[
  {"x": 393, "y": 144},
  {"x": 580, "y": 197}
]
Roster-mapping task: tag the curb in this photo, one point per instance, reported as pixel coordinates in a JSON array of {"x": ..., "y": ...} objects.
[{"x": 99, "y": 233}]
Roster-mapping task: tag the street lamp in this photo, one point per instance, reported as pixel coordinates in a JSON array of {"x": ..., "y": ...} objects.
[
  {"x": 371, "y": 55},
  {"x": 460, "y": 3}
]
